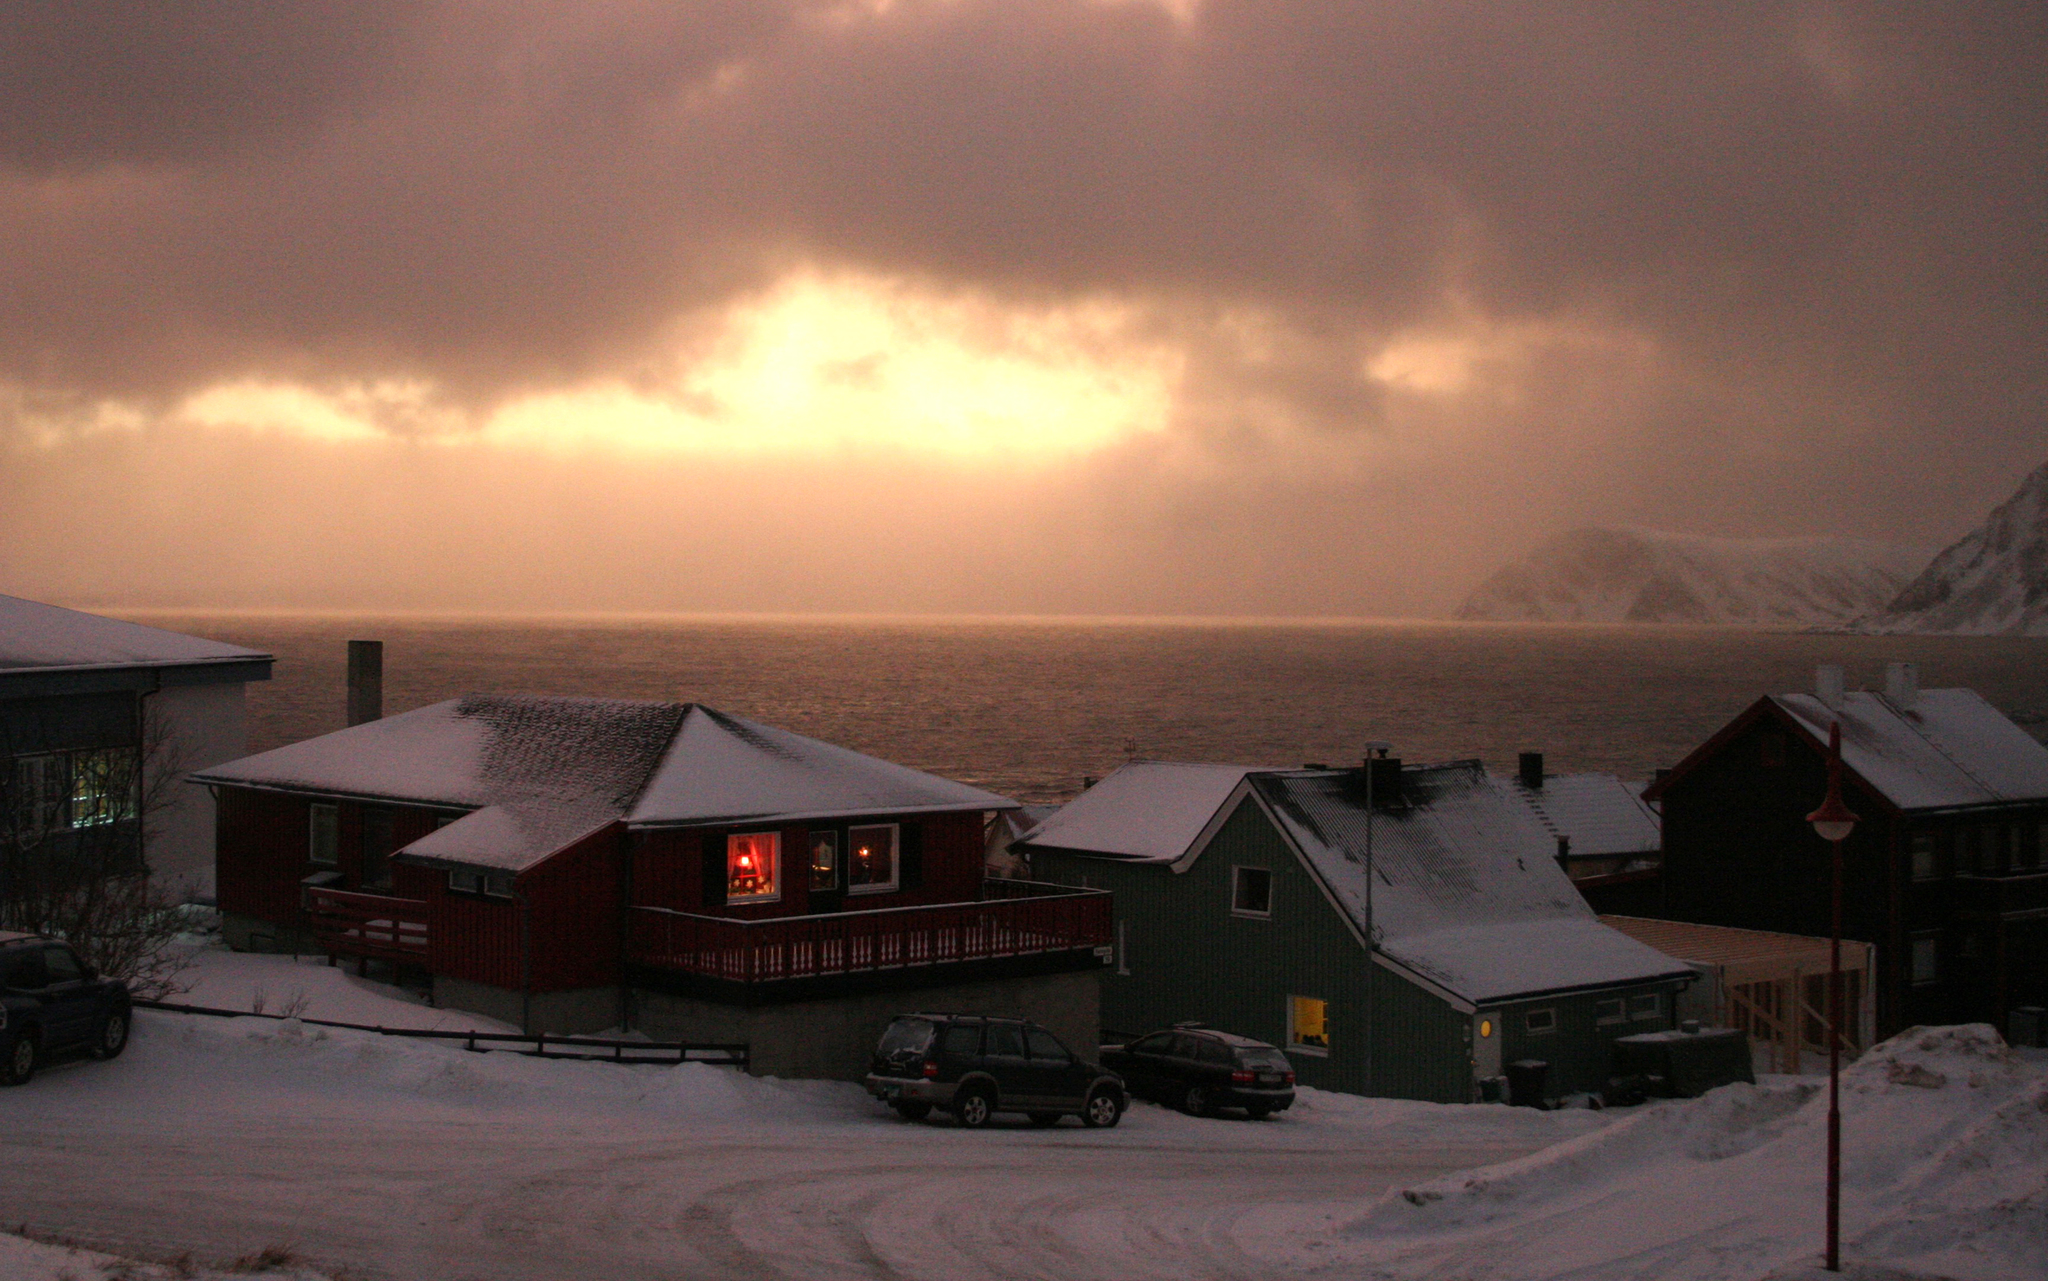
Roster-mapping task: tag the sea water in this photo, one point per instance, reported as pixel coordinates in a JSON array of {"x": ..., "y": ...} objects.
[{"x": 1029, "y": 708}]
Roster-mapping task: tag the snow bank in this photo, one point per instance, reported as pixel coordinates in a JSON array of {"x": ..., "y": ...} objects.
[
  {"x": 307, "y": 985},
  {"x": 1945, "y": 1169}
]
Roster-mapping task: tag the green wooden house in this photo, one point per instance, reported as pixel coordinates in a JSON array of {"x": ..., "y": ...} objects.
[{"x": 1244, "y": 899}]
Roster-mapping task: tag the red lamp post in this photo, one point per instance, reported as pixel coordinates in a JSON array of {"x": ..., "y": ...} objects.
[{"x": 1833, "y": 822}]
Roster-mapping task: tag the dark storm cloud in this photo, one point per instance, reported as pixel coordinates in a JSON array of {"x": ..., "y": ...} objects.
[{"x": 1827, "y": 219}]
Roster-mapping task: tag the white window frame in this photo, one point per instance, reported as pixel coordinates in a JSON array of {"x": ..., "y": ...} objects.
[
  {"x": 1529, "y": 1018},
  {"x": 1237, "y": 871},
  {"x": 1295, "y": 1046},
  {"x": 465, "y": 880},
  {"x": 42, "y": 795},
  {"x": 313, "y": 815},
  {"x": 895, "y": 880}
]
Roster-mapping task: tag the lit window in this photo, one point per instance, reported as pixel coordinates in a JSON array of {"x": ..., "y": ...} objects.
[
  {"x": 102, "y": 787},
  {"x": 871, "y": 859},
  {"x": 752, "y": 866},
  {"x": 1251, "y": 892},
  {"x": 1540, "y": 1021},
  {"x": 323, "y": 835},
  {"x": 824, "y": 860},
  {"x": 1926, "y": 960},
  {"x": 1647, "y": 1006},
  {"x": 1609, "y": 1010},
  {"x": 1308, "y": 1025},
  {"x": 1924, "y": 867}
]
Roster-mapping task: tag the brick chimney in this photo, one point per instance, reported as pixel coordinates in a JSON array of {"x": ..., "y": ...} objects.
[{"x": 365, "y": 681}]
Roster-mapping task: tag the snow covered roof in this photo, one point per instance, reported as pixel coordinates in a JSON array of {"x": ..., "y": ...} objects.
[
  {"x": 1599, "y": 813},
  {"x": 1468, "y": 892},
  {"x": 1948, "y": 748},
  {"x": 38, "y": 636},
  {"x": 538, "y": 773},
  {"x": 1147, "y": 811}
]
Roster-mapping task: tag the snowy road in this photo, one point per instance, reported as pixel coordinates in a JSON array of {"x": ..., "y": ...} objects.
[{"x": 393, "y": 1159}]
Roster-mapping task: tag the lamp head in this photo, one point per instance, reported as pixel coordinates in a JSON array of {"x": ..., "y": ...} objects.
[{"x": 1833, "y": 821}]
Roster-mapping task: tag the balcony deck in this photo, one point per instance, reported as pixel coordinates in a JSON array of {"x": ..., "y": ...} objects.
[
  {"x": 1014, "y": 920},
  {"x": 377, "y": 926}
]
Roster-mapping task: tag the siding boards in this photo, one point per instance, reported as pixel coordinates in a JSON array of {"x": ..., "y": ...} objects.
[{"x": 260, "y": 854}]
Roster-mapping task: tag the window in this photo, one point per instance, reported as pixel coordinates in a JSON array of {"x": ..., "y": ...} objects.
[
  {"x": 1251, "y": 892},
  {"x": 1005, "y": 1040},
  {"x": 1213, "y": 1053},
  {"x": 42, "y": 785},
  {"x": 1308, "y": 1025},
  {"x": 1157, "y": 1043},
  {"x": 1925, "y": 867},
  {"x": 753, "y": 867},
  {"x": 323, "y": 835},
  {"x": 1537, "y": 1022},
  {"x": 1647, "y": 1006},
  {"x": 1926, "y": 960},
  {"x": 1610, "y": 1010},
  {"x": 1045, "y": 1047},
  {"x": 102, "y": 787},
  {"x": 961, "y": 1038},
  {"x": 824, "y": 860},
  {"x": 871, "y": 862},
  {"x": 470, "y": 880}
]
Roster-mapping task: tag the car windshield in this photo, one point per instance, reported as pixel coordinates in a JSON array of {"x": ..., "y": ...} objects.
[
  {"x": 906, "y": 1037},
  {"x": 1263, "y": 1058}
]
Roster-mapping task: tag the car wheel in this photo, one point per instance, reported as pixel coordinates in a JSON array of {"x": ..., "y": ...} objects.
[
  {"x": 1045, "y": 1120},
  {"x": 111, "y": 1036},
  {"x": 1258, "y": 1111},
  {"x": 1195, "y": 1101},
  {"x": 973, "y": 1109},
  {"x": 20, "y": 1063},
  {"x": 1102, "y": 1110},
  {"x": 912, "y": 1111}
]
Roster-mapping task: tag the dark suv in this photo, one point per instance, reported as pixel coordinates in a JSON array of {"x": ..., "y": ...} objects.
[
  {"x": 976, "y": 1065},
  {"x": 51, "y": 1002},
  {"x": 1198, "y": 1070}
]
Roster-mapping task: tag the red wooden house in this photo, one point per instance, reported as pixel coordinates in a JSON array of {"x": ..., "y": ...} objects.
[{"x": 568, "y": 864}]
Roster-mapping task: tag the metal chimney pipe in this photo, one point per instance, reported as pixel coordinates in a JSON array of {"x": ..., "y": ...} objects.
[{"x": 365, "y": 681}]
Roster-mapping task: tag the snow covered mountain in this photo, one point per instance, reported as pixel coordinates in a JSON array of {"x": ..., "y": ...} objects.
[
  {"x": 1642, "y": 576},
  {"x": 1995, "y": 580}
]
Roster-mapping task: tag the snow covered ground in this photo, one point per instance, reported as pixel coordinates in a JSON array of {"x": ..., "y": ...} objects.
[
  {"x": 388, "y": 1158},
  {"x": 307, "y": 985}
]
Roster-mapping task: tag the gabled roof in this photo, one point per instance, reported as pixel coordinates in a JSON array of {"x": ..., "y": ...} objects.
[
  {"x": 539, "y": 773},
  {"x": 1467, "y": 891},
  {"x": 1599, "y": 813},
  {"x": 1147, "y": 811},
  {"x": 35, "y": 636},
  {"x": 1947, "y": 749}
]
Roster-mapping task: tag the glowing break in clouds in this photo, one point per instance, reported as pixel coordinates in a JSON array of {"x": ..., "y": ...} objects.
[{"x": 817, "y": 365}]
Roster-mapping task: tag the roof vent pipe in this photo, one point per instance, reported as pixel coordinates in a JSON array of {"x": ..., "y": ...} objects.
[
  {"x": 1828, "y": 686},
  {"x": 365, "y": 681},
  {"x": 1531, "y": 769},
  {"x": 1902, "y": 685}
]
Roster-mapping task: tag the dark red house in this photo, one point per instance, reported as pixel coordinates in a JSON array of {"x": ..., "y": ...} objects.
[
  {"x": 1947, "y": 871},
  {"x": 569, "y": 864}
]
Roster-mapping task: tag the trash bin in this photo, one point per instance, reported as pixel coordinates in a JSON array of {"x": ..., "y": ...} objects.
[
  {"x": 1525, "y": 1082},
  {"x": 2029, "y": 1026}
]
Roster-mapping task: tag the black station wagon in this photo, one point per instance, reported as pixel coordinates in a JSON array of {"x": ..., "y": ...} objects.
[
  {"x": 50, "y": 1003},
  {"x": 975, "y": 1065},
  {"x": 1199, "y": 1070}
]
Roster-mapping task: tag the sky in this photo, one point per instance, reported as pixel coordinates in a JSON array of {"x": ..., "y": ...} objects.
[{"x": 996, "y": 306}]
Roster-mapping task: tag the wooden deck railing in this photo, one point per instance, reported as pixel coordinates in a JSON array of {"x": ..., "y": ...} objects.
[
  {"x": 1014, "y": 918},
  {"x": 348, "y": 923}
]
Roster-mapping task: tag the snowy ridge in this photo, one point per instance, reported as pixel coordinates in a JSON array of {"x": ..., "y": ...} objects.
[
  {"x": 1945, "y": 1136},
  {"x": 1643, "y": 576},
  {"x": 1992, "y": 581}
]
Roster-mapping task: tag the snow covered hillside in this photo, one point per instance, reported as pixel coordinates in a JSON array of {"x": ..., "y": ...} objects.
[
  {"x": 1945, "y": 1173},
  {"x": 1642, "y": 576},
  {"x": 1995, "y": 580}
]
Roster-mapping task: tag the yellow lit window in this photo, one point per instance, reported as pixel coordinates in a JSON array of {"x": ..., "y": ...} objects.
[
  {"x": 752, "y": 866},
  {"x": 102, "y": 787},
  {"x": 1308, "y": 1026}
]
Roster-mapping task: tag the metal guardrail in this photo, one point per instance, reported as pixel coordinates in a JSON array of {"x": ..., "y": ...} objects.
[{"x": 718, "y": 1054}]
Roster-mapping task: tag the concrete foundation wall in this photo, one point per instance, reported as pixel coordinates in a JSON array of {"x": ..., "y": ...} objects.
[
  {"x": 201, "y": 725},
  {"x": 573, "y": 1013},
  {"x": 834, "y": 1038},
  {"x": 249, "y": 934}
]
